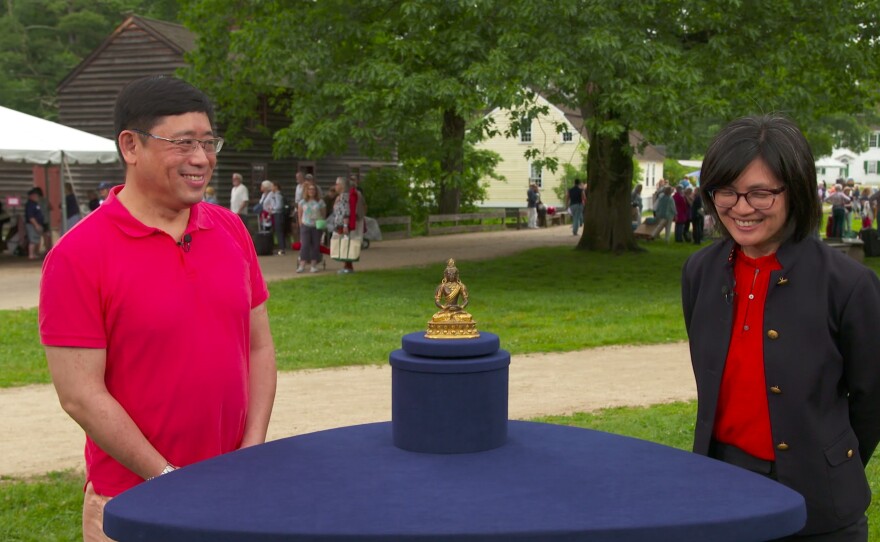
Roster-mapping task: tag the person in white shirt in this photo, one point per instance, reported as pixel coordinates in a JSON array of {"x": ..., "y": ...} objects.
[
  {"x": 238, "y": 199},
  {"x": 300, "y": 179}
]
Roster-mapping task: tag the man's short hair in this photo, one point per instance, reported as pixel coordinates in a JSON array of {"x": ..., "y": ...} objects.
[
  {"x": 237, "y": 176},
  {"x": 143, "y": 102},
  {"x": 35, "y": 190}
]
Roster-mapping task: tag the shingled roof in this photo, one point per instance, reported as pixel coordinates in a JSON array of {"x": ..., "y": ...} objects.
[
  {"x": 177, "y": 37},
  {"x": 651, "y": 153}
]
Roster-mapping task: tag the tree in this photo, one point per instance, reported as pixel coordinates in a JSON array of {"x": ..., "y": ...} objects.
[
  {"x": 405, "y": 78},
  {"x": 660, "y": 66},
  {"x": 41, "y": 41}
]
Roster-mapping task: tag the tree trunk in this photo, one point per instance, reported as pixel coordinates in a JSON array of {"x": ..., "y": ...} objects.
[
  {"x": 451, "y": 163},
  {"x": 608, "y": 210}
]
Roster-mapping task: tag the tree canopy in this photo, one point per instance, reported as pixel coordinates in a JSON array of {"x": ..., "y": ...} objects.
[
  {"x": 662, "y": 67},
  {"x": 41, "y": 41},
  {"x": 409, "y": 79},
  {"x": 417, "y": 76}
]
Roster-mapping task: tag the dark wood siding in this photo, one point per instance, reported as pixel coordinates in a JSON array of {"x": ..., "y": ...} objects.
[{"x": 141, "y": 47}]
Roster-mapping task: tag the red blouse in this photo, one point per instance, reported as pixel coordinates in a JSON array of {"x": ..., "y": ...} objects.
[{"x": 743, "y": 417}]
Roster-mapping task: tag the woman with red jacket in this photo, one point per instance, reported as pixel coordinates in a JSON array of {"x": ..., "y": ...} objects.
[{"x": 348, "y": 216}]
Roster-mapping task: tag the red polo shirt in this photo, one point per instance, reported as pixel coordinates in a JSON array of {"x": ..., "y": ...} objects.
[
  {"x": 743, "y": 417},
  {"x": 174, "y": 321}
]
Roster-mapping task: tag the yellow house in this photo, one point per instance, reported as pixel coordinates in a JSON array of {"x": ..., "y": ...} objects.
[{"x": 567, "y": 147}]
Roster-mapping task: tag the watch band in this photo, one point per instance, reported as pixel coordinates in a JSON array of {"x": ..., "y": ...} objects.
[{"x": 168, "y": 468}]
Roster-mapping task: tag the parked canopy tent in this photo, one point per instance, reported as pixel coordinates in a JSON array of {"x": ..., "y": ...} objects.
[
  {"x": 38, "y": 141},
  {"x": 24, "y": 138}
]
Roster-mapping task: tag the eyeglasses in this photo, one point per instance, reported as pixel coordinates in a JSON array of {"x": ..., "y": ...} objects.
[
  {"x": 760, "y": 199},
  {"x": 189, "y": 145}
]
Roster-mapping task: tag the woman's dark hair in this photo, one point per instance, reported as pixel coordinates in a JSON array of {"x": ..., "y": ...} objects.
[
  {"x": 785, "y": 151},
  {"x": 142, "y": 102}
]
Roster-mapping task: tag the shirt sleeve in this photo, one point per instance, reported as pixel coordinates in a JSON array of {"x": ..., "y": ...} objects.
[
  {"x": 859, "y": 341},
  {"x": 71, "y": 313},
  {"x": 259, "y": 289}
]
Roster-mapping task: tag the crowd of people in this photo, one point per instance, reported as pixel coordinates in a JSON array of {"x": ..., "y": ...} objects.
[
  {"x": 681, "y": 206},
  {"x": 32, "y": 235},
  {"x": 848, "y": 201},
  {"x": 310, "y": 219}
]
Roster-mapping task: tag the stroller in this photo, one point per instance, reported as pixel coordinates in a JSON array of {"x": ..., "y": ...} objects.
[{"x": 371, "y": 232}]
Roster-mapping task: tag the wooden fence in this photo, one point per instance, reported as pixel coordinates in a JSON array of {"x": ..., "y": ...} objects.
[
  {"x": 465, "y": 222},
  {"x": 403, "y": 233}
]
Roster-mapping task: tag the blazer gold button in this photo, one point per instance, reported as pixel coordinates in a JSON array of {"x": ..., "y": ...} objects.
[
  {"x": 782, "y": 446},
  {"x": 773, "y": 334},
  {"x": 775, "y": 389},
  {"x": 849, "y": 453}
]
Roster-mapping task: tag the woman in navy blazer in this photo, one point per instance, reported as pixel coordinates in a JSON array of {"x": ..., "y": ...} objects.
[{"x": 784, "y": 331}]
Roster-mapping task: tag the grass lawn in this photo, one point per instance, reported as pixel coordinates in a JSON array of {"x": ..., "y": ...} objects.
[
  {"x": 545, "y": 300},
  {"x": 48, "y": 508}
]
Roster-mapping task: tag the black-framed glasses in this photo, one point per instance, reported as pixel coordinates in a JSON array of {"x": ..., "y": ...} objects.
[
  {"x": 760, "y": 199},
  {"x": 189, "y": 145}
]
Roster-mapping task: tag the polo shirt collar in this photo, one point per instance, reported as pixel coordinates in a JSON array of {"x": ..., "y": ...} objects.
[{"x": 133, "y": 227}]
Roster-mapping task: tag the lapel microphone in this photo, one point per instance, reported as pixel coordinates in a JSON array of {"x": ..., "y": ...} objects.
[
  {"x": 725, "y": 291},
  {"x": 186, "y": 242}
]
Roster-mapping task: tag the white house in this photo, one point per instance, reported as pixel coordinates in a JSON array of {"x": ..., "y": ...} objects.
[
  {"x": 567, "y": 147},
  {"x": 863, "y": 168},
  {"x": 829, "y": 169}
]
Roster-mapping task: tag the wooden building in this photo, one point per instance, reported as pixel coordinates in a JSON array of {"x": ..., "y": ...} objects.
[
  {"x": 140, "y": 47},
  {"x": 567, "y": 147}
]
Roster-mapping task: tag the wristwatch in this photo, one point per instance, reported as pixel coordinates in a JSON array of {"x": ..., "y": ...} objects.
[{"x": 168, "y": 468}]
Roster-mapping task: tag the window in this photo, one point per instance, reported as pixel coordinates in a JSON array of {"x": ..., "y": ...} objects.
[
  {"x": 874, "y": 140},
  {"x": 871, "y": 166},
  {"x": 821, "y": 171},
  {"x": 567, "y": 136},
  {"x": 525, "y": 131},
  {"x": 258, "y": 175},
  {"x": 536, "y": 175}
]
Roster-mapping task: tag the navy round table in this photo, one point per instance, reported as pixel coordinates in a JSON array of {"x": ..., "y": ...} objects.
[{"x": 548, "y": 482}]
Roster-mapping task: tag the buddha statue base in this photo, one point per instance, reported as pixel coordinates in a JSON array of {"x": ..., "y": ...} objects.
[{"x": 451, "y": 329}]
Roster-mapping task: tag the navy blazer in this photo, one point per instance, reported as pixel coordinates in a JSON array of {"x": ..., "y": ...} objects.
[{"x": 821, "y": 366}]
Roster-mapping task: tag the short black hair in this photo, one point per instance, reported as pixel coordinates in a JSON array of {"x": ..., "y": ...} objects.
[
  {"x": 577, "y": 182},
  {"x": 783, "y": 148},
  {"x": 143, "y": 102},
  {"x": 35, "y": 190}
]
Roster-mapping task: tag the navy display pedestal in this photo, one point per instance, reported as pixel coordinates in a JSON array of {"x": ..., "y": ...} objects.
[{"x": 449, "y": 396}]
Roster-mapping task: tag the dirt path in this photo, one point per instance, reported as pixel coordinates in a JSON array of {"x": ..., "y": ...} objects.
[{"x": 39, "y": 437}]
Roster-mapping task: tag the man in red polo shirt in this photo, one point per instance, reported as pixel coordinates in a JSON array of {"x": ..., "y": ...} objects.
[{"x": 152, "y": 310}]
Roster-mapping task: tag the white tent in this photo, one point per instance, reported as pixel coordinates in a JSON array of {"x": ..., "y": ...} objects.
[{"x": 24, "y": 138}]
